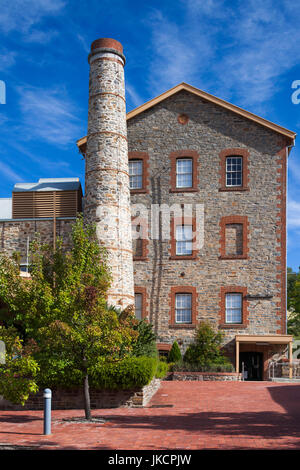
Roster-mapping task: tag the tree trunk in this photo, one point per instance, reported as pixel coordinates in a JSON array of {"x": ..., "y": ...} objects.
[{"x": 87, "y": 402}]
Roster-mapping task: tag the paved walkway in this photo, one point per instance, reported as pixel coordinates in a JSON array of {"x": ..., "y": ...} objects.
[{"x": 203, "y": 415}]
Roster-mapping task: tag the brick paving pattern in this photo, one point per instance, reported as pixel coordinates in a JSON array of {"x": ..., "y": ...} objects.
[{"x": 203, "y": 415}]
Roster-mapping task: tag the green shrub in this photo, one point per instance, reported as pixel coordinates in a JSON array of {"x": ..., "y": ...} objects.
[
  {"x": 132, "y": 372},
  {"x": 206, "y": 348},
  {"x": 162, "y": 369},
  {"x": 175, "y": 353}
]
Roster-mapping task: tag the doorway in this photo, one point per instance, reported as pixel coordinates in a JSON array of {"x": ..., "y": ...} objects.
[{"x": 253, "y": 365}]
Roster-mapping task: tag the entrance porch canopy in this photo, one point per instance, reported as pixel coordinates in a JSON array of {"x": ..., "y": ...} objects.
[{"x": 262, "y": 340}]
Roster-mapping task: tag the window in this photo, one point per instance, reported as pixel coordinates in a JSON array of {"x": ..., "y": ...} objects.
[
  {"x": 234, "y": 171},
  {"x": 137, "y": 244},
  {"x": 184, "y": 173},
  {"x": 184, "y": 240},
  {"x": 234, "y": 231},
  {"x": 183, "y": 308},
  {"x": 234, "y": 240},
  {"x": 233, "y": 308},
  {"x": 138, "y": 301},
  {"x": 139, "y": 238},
  {"x": 136, "y": 174}
]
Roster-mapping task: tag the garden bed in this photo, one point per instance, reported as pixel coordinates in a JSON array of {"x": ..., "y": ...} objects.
[{"x": 63, "y": 399}]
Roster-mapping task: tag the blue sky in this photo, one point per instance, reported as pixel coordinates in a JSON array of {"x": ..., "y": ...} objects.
[{"x": 244, "y": 52}]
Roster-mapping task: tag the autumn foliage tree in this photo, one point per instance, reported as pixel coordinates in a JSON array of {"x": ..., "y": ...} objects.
[{"x": 63, "y": 311}]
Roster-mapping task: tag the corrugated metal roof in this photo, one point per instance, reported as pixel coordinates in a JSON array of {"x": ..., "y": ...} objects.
[
  {"x": 49, "y": 184},
  {"x": 6, "y": 208}
]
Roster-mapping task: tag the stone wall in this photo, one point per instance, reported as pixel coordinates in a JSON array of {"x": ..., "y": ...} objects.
[
  {"x": 14, "y": 233},
  {"x": 73, "y": 399},
  {"x": 213, "y": 376},
  {"x": 210, "y": 130}
]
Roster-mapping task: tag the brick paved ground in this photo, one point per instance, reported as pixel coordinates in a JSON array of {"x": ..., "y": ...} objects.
[{"x": 205, "y": 415}]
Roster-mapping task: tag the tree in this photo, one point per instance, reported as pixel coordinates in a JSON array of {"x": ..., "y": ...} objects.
[
  {"x": 19, "y": 369},
  {"x": 174, "y": 353},
  {"x": 293, "y": 302},
  {"x": 206, "y": 348},
  {"x": 62, "y": 308}
]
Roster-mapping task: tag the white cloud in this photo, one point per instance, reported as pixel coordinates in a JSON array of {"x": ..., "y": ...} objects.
[
  {"x": 7, "y": 59},
  {"x": 293, "y": 214},
  {"x": 7, "y": 172},
  {"x": 294, "y": 168},
  {"x": 48, "y": 115},
  {"x": 21, "y": 15},
  {"x": 135, "y": 98},
  {"x": 240, "y": 49},
  {"x": 38, "y": 36},
  {"x": 174, "y": 60},
  {"x": 82, "y": 40}
]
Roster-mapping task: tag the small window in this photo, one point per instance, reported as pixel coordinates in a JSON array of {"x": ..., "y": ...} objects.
[
  {"x": 184, "y": 173},
  {"x": 234, "y": 171},
  {"x": 137, "y": 243},
  {"x": 136, "y": 174},
  {"x": 184, "y": 240},
  {"x": 234, "y": 239},
  {"x": 233, "y": 306},
  {"x": 138, "y": 300},
  {"x": 183, "y": 308}
]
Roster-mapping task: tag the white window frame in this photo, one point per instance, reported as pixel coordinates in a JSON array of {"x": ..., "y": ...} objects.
[
  {"x": 234, "y": 172},
  {"x": 139, "y": 310},
  {"x": 181, "y": 310},
  {"x": 232, "y": 308},
  {"x": 184, "y": 245},
  {"x": 136, "y": 176},
  {"x": 184, "y": 173}
]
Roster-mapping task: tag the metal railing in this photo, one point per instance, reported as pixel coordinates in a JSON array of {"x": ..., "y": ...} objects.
[{"x": 284, "y": 370}]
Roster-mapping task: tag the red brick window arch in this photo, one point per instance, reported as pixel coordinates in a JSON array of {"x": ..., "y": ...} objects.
[
  {"x": 234, "y": 174},
  {"x": 184, "y": 171},
  {"x": 234, "y": 231}
]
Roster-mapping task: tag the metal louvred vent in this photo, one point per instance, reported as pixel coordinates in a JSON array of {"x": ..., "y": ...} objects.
[{"x": 43, "y": 204}]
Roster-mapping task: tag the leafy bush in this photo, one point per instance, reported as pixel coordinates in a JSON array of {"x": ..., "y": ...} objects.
[
  {"x": 206, "y": 348},
  {"x": 145, "y": 344},
  {"x": 162, "y": 369},
  {"x": 175, "y": 353},
  {"x": 129, "y": 373}
]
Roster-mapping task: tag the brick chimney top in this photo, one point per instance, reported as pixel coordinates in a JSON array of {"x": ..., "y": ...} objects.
[{"x": 107, "y": 45}]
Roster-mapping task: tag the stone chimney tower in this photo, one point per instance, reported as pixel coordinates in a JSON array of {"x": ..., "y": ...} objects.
[{"x": 107, "y": 194}]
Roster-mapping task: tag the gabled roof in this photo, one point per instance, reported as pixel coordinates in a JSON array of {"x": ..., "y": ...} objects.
[{"x": 212, "y": 99}]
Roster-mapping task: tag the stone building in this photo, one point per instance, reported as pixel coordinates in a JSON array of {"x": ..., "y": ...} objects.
[{"x": 207, "y": 184}]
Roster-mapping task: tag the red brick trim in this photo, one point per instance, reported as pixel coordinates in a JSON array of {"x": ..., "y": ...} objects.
[
  {"x": 183, "y": 119},
  {"x": 237, "y": 290},
  {"x": 183, "y": 290},
  {"x": 143, "y": 291},
  {"x": 144, "y": 236},
  {"x": 234, "y": 219},
  {"x": 181, "y": 154},
  {"x": 144, "y": 156},
  {"x": 281, "y": 238},
  {"x": 179, "y": 221},
  {"x": 227, "y": 153}
]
